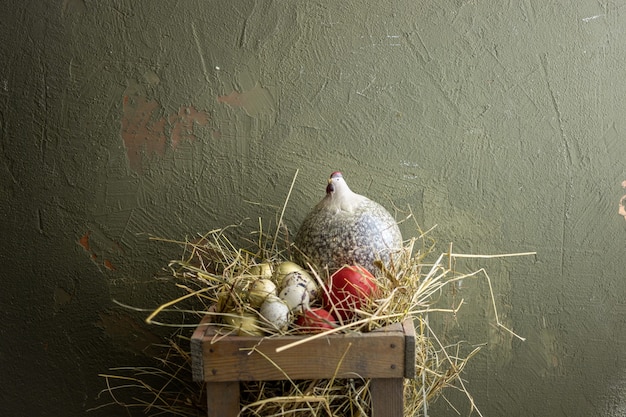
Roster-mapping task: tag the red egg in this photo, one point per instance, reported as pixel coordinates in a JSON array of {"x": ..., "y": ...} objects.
[
  {"x": 316, "y": 320},
  {"x": 348, "y": 289}
]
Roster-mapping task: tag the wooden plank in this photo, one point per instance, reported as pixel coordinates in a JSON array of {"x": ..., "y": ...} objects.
[
  {"x": 375, "y": 354},
  {"x": 385, "y": 356},
  {"x": 409, "y": 349},
  {"x": 222, "y": 399},
  {"x": 196, "y": 349},
  {"x": 384, "y": 353},
  {"x": 387, "y": 397}
]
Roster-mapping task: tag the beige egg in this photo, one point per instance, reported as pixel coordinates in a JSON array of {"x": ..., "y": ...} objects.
[
  {"x": 245, "y": 324},
  {"x": 259, "y": 290},
  {"x": 285, "y": 268},
  {"x": 262, "y": 270}
]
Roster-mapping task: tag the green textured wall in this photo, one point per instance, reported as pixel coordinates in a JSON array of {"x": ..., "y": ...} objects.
[{"x": 500, "y": 122}]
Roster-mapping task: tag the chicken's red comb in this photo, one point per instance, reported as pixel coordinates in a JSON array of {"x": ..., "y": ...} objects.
[{"x": 336, "y": 174}]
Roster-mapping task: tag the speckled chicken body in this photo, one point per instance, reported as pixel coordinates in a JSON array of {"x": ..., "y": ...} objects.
[{"x": 345, "y": 228}]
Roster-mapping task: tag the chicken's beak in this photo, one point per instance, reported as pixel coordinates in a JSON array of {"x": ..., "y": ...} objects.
[{"x": 330, "y": 188}]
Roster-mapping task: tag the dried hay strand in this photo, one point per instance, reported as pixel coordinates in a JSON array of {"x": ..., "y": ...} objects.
[{"x": 163, "y": 389}]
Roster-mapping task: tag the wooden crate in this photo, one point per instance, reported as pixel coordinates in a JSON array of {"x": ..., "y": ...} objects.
[{"x": 386, "y": 356}]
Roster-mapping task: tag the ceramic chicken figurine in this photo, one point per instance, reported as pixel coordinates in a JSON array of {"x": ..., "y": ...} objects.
[{"x": 346, "y": 228}]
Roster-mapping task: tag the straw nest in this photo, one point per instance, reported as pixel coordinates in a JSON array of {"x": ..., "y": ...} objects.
[
  {"x": 213, "y": 271},
  {"x": 215, "y": 275}
]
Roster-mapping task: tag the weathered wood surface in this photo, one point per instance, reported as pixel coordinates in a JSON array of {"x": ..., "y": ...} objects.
[
  {"x": 385, "y": 356},
  {"x": 378, "y": 354}
]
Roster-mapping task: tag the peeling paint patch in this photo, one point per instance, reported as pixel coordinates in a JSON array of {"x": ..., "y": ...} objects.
[
  {"x": 622, "y": 203},
  {"x": 146, "y": 131},
  {"x": 85, "y": 243},
  {"x": 141, "y": 130},
  {"x": 108, "y": 265},
  {"x": 256, "y": 101},
  {"x": 183, "y": 124}
]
